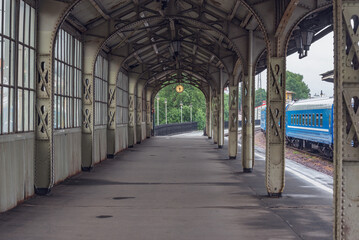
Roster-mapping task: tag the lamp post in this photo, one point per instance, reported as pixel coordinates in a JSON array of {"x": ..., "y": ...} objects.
[
  {"x": 190, "y": 107},
  {"x": 158, "y": 110},
  {"x": 181, "y": 104},
  {"x": 166, "y": 109}
]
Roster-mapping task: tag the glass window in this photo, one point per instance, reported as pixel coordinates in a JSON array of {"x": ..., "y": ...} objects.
[
  {"x": 122, "y": 99},
  {"x": 101, "y": 90},
  {"x": 17, "y": 95},
  {"x": 317, "y": 124},
  {"x": 67, "y": 79},
  {"x": 321, "y": 120}
]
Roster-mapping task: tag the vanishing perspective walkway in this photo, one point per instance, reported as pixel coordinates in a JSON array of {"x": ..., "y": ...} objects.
[{"x": 178, "y": 187}]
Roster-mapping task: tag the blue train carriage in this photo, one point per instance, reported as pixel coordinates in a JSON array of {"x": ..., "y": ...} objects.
[
  {"x": 263, "y": 120},
  {"x": 309, "y": 125}
]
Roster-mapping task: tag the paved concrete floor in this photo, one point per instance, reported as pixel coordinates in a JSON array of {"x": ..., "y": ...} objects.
[{"x": 171, "y": 188}]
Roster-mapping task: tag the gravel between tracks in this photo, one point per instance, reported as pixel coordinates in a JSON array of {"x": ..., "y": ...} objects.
[{"x": 305, "y": 159}]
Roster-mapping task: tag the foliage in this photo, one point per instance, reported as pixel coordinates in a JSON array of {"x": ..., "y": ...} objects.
[
  {"x": 190, "y": 95},
  {"x": 294, "y": 83},
  {"x": 261, "y": 95}
]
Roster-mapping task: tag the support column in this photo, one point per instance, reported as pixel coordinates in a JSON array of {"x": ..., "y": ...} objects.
[
  {"x": 131, "y": 120},
  {"x": 346, "y": 118},
  {"x": 247, "y": 112},
  {"x": 148, "y": 113},
  {"x": 233, "y": 119},
  {"x": 247, "y": 124},
  {"x": 49, "y": 13},
  {"x": 139, "y": 114},
  {"x": 209, "y": 117},
  {"x": 275, "y": 132},
  {"x": 114, "y": 68},
  {"x": 215, "y": 107},
  {"x": 221, "y": 117}
]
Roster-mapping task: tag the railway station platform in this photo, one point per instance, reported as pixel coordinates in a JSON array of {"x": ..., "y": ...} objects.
[{"x": 173, "y": 187}]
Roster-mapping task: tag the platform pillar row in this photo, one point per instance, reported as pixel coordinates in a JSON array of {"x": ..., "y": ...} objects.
[
  {"x": 233, "y": 118},
  {"x": 346, "y": 118},
  {"x": 275, "y": 132}
]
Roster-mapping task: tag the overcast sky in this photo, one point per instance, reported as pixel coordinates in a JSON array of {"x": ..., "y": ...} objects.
[{"x": 319, "y": 60}]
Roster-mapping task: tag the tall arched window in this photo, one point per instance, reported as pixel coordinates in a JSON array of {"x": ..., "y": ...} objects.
[
  {"x": 17, "y": 79},
  {"x": 67, "y": 81},
  {"x": 122, "y": 99},
  {"x": 101, "y": 90}
]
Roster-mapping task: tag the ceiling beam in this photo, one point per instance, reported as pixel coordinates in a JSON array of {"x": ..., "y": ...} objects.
[
  {"x": 231, "y": 16},
  {"x": 286, "y": 16},
  {"x": 100, "y": 9}
]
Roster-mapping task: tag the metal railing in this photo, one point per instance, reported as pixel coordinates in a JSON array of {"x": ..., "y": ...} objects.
[{"x": 173, "y": 128}]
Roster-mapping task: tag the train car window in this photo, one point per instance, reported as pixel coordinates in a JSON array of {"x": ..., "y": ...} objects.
[
  {"x": 321, "y": 120},
  {"x": 317, "y": 124},
  {"x": 300, "y": 119},
  {"x": 306, "y": 120},
  {"x": 313, "y": 120},
  {"x": 310, "y": 120}
]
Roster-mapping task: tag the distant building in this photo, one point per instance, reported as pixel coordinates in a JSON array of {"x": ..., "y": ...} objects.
[{"x": 289, "y": 96}]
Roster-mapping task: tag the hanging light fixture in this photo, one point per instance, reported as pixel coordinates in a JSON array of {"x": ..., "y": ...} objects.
[
  {"x": 303, "y": 40},
  {"x": 307, "y": 38}
]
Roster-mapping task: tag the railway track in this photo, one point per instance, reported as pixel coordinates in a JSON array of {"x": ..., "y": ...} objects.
[{"x": 313, "y": 154}]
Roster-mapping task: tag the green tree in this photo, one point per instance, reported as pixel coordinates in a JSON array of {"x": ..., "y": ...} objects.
[
  {"x": 260, "y": 96},
  {"x": 294, "y": 83},
  {"x": 190, "y": 95}
]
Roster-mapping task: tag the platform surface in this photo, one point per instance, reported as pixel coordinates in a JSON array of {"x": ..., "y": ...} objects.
[{"x": 178, "y": 187}]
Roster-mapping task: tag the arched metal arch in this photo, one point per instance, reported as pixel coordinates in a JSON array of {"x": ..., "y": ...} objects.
[
  {"x": 287, "y": 39},
  {"x": 167, "y": 72},
  {"x": 169, "y": 18},
  {"x": 167, "y": 41}
]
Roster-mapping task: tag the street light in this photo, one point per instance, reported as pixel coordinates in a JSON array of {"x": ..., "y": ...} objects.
[
  {"x": 158, "y": 110},
  {"x": 181, "y": 104},
  {"x": 166, "y": 109},
  {"x": 190, "y": 107}
]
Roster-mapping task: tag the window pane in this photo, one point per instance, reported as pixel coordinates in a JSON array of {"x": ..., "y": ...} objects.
[
  {"x": 7, "y": 17},
  {"x": 5, "y": 110},
  {"x": 6, "y": 62},
  {"x": 21, "y": 21},
  {"x": 32, "y": 69},
  {"x": 20, "y": 66},
  {"x": 20, "y": 110},
  {"x": 26, "y": 67},
  {"x": 32, "y": 28},
  {"x": 26, "y": 110},
  {"x": 27, "y": 24}
]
